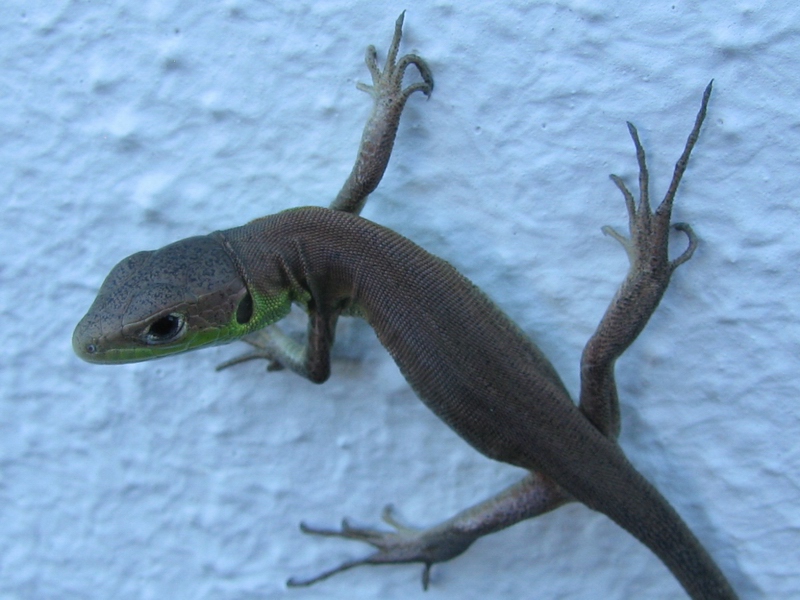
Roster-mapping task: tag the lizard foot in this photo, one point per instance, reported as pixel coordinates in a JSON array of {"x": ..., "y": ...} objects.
[
  {"x": 403, "y": 545},
  {"x": 387, "y": 84},
  {"x": 263, "y": 348},
  {"x": 649, "y": 231},
  {"x": 389, "y": 98}
]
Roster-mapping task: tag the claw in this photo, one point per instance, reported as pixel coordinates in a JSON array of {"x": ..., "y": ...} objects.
[
  {"x": 625, "y": 242},
  {"x": 258, "y": 353},
  {"x": 271, "y": 345},
  {"x": 680, "y": 166},
  {"x": 644, "y": 176},
  {"x": 388, "y": 517},
  {"x": 391, "y": 78},
  {"x": 643, "y": 223},
  {"x": 398, "y": 34},
  {"x": 300, "y": 582},
  {"x": 687, "y": 254},
  {"x": 402, "y": 546},
  {"x": 248, "y": 356},
  {"x": 373, "y": 537},
  {"x": 389, "y": 98},
  {"x": 426, "y": 575},
  {"x": 426, "y": 86},
  {"x": 629, "y": 201}
]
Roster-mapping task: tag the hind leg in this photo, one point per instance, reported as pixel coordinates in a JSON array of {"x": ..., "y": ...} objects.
[
  {"x": 533, "y": 496},
  {"x": 639, "y": 295}
]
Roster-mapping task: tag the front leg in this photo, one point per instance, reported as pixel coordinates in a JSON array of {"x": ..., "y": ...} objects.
[
  {"x": 645, "y": 284},
  {"x": 310, "y": 360},
  {"x": 533, "y": 496},
  {"x": 378, "y": 138}
]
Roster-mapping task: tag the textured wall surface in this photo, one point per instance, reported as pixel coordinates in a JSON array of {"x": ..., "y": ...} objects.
[{"x": 128, "y": 125}]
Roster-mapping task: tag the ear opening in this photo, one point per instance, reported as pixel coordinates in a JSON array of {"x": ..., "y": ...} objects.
[{"x": 244, "y": 312}]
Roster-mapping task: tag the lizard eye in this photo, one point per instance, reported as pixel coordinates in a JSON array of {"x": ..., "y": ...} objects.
[{"x": 165, "y": 329}]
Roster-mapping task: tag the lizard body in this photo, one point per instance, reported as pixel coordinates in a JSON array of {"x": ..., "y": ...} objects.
[{"x": 462, "y": 356}]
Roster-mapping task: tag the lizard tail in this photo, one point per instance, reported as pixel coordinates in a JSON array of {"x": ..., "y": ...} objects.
[{"x": 632, "y": 502}]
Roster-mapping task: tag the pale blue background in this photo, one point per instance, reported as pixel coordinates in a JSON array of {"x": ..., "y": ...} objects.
[{"x": 128, "y": 125}]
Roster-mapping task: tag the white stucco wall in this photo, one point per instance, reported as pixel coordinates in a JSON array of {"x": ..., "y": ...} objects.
[{"x": 128, "y": 125}]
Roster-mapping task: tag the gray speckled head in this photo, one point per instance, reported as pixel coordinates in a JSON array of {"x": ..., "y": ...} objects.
[{"x": 150, "y": 300}]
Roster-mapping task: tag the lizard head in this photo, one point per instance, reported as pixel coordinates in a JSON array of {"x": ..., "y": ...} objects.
[{"x": 186, "y": 295}]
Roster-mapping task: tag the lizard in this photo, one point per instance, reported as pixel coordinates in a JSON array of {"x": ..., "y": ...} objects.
[{"x": 464, "y": 358}]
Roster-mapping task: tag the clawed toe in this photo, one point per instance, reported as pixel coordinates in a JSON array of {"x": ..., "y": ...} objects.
[
  {"x": 402, "y": 546},
  {"x": 374, "y": 537},
  {"x": 389, "y": 81},
  {"x": 392, "y": 549},
  {"x": 649, "y": 229},
  {"x": 346, "y": 531},
  {"x": 687, "y": 254},
  {"x": 272, "y": 364},
  {"x": 260, "y": 351}
]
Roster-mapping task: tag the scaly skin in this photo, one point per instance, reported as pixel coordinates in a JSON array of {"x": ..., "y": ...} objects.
[{"x": 463, "y": 357}]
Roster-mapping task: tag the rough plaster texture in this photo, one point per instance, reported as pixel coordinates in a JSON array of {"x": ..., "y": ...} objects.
[{"x": 128, "y": 125}]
